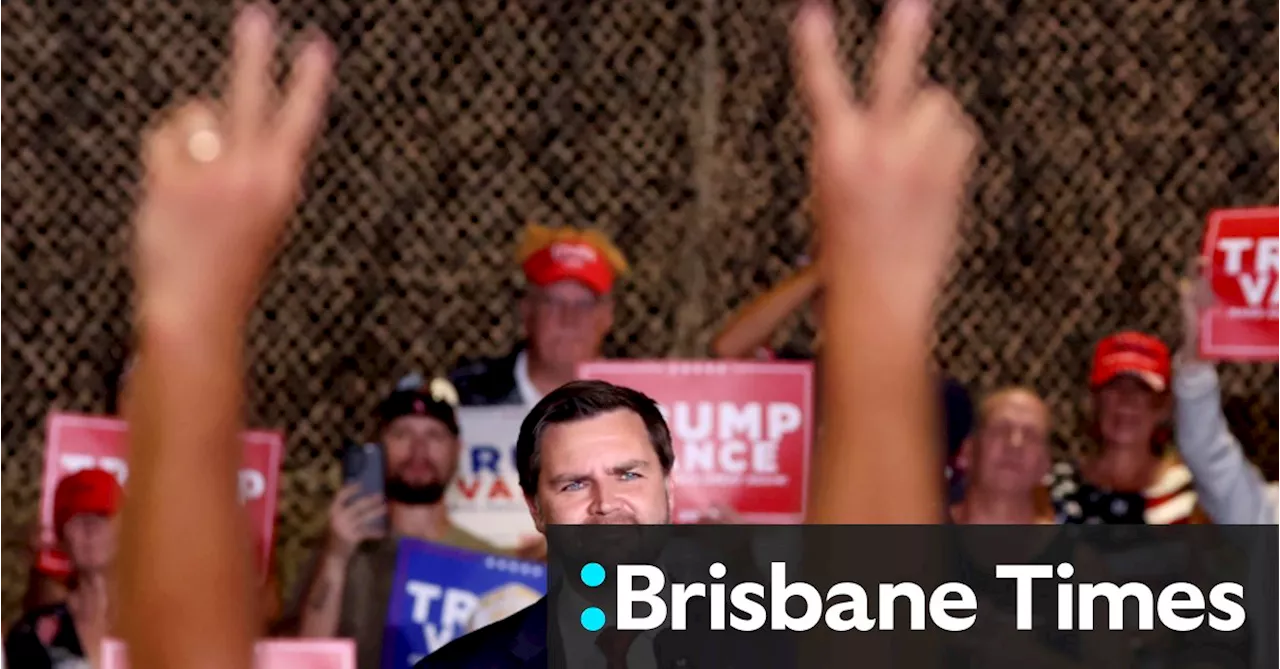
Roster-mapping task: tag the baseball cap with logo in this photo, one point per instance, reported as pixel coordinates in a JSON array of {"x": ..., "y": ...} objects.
[
  {"x": 431, "y": 401},
  {"x": 88, "y": 491},
  {"x": 1131, "y": 354},
  {"x": 549, "y": 255}
]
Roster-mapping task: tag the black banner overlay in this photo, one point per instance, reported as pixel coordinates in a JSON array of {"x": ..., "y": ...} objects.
[{"x": 925, "y": 596}]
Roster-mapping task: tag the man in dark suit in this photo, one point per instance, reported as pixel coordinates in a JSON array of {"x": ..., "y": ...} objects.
[{"x": 591, "y": 453}]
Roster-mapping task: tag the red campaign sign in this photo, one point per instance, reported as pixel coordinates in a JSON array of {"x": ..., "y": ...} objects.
[
  {"x": 74, "y": 442},
  {"x": 268, "y": 654},
  {"x": 742, "y": 431},
  {"x": 1242, "y": 247}
]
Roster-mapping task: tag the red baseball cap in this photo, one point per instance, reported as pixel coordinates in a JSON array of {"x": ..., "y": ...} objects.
[
  {"x": 549, "y": 255},
  {"x": 93, "y": 491},
  {"x": 1131, "y": 354}
]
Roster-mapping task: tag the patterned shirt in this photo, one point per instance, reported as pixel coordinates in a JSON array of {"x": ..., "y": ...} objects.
[{"x": 1170, "y": 500}]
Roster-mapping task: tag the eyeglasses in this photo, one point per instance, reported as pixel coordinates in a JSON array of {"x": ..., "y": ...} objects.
[{"x": 571, "y": 306}]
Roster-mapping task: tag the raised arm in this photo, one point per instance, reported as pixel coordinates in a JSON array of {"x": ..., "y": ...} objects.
[
  {"x": 221, "y": 182},
  {"x": 1231, "y": 490},
  {"x": 755, "y": 324},
  {"x": 889, "y": 179}
]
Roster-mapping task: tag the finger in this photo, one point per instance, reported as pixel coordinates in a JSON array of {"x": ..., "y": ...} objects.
[
  {"x": 368, "y": 515},
  {"x": 306, "y": 97},
  {"x": 897, "y": 73},
  {"x": 823, "y": 83},
  {"x": 183, "y": 135},
  {"x": 345, "y": 494},
  {"x": 251, "y": 83},
  {"x": 366, "y": 504}
]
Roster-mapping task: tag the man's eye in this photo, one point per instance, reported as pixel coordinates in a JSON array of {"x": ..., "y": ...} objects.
[
  {"x": 574, "y": 485},
  {"x": 629, "y": 476}
]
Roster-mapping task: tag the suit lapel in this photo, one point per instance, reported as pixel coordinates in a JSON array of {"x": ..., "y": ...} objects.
[{"x": 530, "y": 643}]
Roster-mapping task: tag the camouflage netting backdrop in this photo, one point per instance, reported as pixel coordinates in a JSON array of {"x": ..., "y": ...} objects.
[{"x": 1111, "y": 129}]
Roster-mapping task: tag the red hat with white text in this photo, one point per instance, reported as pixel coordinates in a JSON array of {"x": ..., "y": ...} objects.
[
  {"x": 548, "y": 255},
  {"x": 1131, "y": 354}
]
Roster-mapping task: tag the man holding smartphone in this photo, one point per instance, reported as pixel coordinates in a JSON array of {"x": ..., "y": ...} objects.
[{"x": 392, "y": 491}]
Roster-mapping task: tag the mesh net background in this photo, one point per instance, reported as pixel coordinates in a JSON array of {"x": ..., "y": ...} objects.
[{"x": 1111, "y": 129}]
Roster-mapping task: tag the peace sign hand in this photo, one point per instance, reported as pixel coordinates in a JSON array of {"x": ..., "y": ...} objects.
[
  {"x": 889, "y": 175},
  {"x": 222, "y": 180}
]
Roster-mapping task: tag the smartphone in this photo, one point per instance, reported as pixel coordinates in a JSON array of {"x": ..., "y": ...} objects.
[{"x": 362, "y": 464}]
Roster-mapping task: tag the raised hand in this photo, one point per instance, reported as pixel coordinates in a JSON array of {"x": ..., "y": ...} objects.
[
  {"x": 222, "y": 179},
  {"x": 1194, "y": 296},
  {"x": 889, "y": 174},
  {"x": 888, "y": 182},
  {"x": 351, "y": 521}
]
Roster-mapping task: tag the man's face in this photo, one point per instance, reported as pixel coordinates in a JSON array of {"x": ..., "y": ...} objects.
[
  {"x": 566, "y": 322},
  {"x": 1010, "y": 452},
  {"x": 1129, "y": 411},
  {"x": 422, "y": 457},
  {"x": 600, "y": 470},
  {"x": 90, "y": 541}
]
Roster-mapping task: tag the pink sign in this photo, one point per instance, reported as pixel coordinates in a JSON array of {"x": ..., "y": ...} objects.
[
  {"x": 1243, "y": 250},
  {"x": 742, "y": 431},
  {"x": 74, "y": 442},
  {"x": 269, "y": 654}
]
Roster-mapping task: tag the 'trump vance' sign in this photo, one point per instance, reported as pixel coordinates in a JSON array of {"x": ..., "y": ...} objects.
[
  {"x": 74, "y": 442},
  {"x": 742, "y": 431},
  {"x": 1243, "y": 250},
  {"x": 484, "y": 497}
]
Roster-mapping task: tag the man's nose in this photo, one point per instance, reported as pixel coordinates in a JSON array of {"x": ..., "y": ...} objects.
[{"x": 604, "y": 499}]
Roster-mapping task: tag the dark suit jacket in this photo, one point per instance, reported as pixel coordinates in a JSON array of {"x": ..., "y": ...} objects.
[
  {"x": 520, "y": 642},
  {"x": 487, "y": 382},
  {"x": 517, "y": 641}
]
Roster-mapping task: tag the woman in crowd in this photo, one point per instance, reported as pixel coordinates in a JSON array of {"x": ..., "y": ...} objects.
[
  {"x": 1231, "y": 489},
  {"x": 1133, "y": 474}
]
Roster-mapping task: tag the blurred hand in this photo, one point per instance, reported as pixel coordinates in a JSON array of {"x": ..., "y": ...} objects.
[
  {"x": 888, "y": 175},
  {"x": 349, "y": 521},
  {"x": 1195, "y": 296},
  {"x": 532, "y": 547},
  {"x": 90, "y": 608},
  {"x": 222, "y": 179}
]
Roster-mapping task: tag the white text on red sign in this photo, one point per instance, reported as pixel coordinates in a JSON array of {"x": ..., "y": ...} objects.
[
  {"x": 1259, "y": 281},
  {"x": 253, "y": 485},
  {"x": 729, "y": 437}
]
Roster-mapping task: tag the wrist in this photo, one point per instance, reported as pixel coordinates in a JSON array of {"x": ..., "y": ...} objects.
[{"x": 337, "y": 554}]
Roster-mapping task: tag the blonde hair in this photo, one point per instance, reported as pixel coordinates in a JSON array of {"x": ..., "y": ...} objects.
[{"x": 537, "y": 237}]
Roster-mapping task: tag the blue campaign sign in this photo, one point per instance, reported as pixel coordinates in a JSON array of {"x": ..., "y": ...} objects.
[{"x": 440, "y": 593}]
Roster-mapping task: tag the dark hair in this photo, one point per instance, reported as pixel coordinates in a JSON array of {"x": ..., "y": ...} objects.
[{"x": 578, "y": 400}]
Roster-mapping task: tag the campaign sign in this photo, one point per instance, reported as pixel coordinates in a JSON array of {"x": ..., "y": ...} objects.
[
  {"x": 484, "y": 497},
  {"x": 742, "y": 431},
  {"x": 440, "y": 593},
  {"x": 1242, "y": 247},
  {"x": 268, "y": 654},
  {"x": 74, "y": 442}
]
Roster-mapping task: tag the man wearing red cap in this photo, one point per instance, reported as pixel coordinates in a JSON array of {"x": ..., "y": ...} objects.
[
  {"x": 1133, "y": 476},
  {"x": 565, "y": 315},
  {"x": 70, "y": 634}
]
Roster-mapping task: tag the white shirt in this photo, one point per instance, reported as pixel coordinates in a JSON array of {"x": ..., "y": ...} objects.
[{"x": 529, "y": 394}]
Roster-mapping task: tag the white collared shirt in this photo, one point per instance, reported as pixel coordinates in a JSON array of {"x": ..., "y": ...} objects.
[{"x": 529, "y": 394}]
